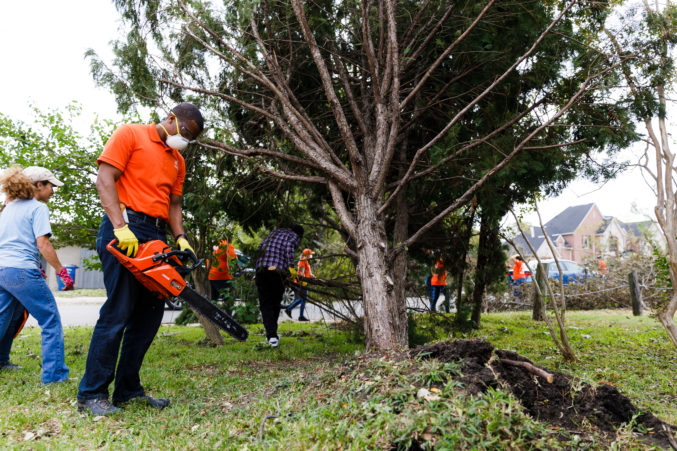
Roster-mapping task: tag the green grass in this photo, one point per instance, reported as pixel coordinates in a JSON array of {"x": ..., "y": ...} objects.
[
  {"x": 84, "y": 292},
  {"x": 319, "y": 391}
]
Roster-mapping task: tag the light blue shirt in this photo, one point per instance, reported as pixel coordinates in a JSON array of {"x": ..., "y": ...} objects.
[{"x": 21, "y": 223}]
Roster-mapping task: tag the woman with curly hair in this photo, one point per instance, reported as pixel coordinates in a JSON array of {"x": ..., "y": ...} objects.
[{"x": 24, "y": 234}]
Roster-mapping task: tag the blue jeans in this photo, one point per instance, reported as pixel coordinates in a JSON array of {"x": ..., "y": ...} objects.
[
  {"x": 517, "y": 287},
  {"x": 131, "y": 315},
  {"x": 303, "y": 293},
  {"x": 435, "y": 291},
  {"x": 20, "y": 286},
  {"x": 7, "y": 337}
]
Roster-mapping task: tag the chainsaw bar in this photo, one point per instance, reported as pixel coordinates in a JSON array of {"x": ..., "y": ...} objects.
[{"x": 213, "y": 313}]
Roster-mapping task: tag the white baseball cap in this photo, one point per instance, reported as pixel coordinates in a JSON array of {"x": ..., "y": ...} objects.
[{"x": 40, "y": 174}]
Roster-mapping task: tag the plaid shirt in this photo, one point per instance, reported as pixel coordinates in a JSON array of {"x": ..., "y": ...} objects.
[{"x": 278, "y": 249}]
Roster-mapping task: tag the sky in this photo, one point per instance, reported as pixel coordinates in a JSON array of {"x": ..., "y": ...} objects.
[{"x": 44, "y": 42}]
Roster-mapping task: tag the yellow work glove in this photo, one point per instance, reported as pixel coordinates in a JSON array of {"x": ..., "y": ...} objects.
[
  {"x": 293, "y": 273},
  {"x": 126, "y": 240},
  {"x": 183, "y": 245}
]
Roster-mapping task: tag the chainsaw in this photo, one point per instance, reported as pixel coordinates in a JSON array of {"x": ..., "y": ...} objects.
[{"x": 161, "y": 270}]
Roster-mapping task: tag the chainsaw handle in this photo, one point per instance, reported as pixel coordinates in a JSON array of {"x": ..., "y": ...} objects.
[{"x": 181, "y": 255}]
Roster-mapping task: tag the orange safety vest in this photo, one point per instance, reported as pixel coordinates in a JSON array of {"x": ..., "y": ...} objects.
[
  {"x": 518, "y": 270},
  {"x": 602, "y": 266},
  {"x": 439, "y": 279}
]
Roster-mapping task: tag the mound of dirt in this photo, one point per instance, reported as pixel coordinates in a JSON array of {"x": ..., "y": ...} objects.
[{"x": 563, "y": 402}]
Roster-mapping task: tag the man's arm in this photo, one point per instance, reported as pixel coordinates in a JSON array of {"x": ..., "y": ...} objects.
[
  {"x": 47, "y": 250},
  {"x": 108, "y": 193},
  {"x": 175, "y": 215}
]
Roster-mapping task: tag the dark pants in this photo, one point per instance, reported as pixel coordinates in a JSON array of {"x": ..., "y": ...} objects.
[
  {"x": 219, "y": 288},
  {"x": 131, "y": 315},
  {"x": 270, "y": 286}
]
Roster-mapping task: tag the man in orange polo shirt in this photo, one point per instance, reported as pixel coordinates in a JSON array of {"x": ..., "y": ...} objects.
[{"x": 140, "y": 183}]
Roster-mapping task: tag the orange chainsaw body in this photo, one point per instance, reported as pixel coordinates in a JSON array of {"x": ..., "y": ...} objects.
[{"x": 158, "y": 275}]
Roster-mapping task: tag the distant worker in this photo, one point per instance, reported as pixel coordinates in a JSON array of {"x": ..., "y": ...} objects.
[
  {"x": 223, "y": 262},
  {"x": 272, "y": 269},
  {"x": 303, "y": 270},
  {"x": 601, "y": 265},
  {"x": 438, "y": 283},
  {"x": 518, "y": 276},
  {"x": 24, "y": 235}
]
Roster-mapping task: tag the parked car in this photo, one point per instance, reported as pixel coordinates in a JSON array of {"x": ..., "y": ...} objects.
[{"x": 571, "y": 271}]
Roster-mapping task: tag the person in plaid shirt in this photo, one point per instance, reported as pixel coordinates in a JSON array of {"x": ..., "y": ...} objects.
[{"x": 272, "y": 268}]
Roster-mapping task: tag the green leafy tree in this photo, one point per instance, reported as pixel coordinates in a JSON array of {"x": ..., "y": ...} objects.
[
  {"x": 373, "y": 102},
  {"x": 53, "y": 142}
]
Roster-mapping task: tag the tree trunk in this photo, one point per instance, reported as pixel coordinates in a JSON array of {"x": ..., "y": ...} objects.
[
  {"x": 538, "y": 313},
  {"x": 202, "y": 286},
  {"x": 401, "y": 259},
  {"x": 483, "y": 255},
  {"x": 667, "y": 318},
  {"x": 385, "y": 325}
]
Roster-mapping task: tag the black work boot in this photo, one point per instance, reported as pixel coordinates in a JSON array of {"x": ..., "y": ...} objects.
[{"x": 97, "y": 407}]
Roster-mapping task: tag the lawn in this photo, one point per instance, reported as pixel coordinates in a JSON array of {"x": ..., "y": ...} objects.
[{"x": 319, "y": 390}]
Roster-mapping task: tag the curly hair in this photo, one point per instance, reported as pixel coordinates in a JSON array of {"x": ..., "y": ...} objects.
[{"x": 16, "y": 185}]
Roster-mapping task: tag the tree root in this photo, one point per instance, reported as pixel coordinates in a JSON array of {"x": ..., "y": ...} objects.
[{"x": 531, "y": 368}]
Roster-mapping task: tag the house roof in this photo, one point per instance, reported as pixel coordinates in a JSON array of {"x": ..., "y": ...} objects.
[
  {"x": 603, "y": 226},
  {"x": 568, "y": 220},
  {"x": 636, "y": 227},
  {"x": 563, "y": 224}
]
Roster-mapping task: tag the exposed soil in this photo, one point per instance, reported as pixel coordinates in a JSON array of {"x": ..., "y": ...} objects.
[{"x": 565, "y": 402}]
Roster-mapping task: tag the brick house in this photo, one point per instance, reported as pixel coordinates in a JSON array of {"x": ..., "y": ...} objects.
[{"x": 581, "y": 232}]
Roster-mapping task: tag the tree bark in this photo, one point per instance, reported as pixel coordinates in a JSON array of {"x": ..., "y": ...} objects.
[
  {"x": 212, "y": 332},
  {"x": 384, "y": 325},
  {"x": 483, "y": 255},
  {"x": 635, "y": 294},
  {"x": 538, "y": 313}
]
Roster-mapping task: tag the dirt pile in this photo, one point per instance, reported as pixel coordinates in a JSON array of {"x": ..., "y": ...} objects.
[{"x": 563, "y": 402}]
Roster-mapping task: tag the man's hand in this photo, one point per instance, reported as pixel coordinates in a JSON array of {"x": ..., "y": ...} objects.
[
  {"x": 293, "y": 273},
  {"x": 66, "y": 279},
  {"x": 184, "y": 245},
  {"x": 127, "y": 240}
]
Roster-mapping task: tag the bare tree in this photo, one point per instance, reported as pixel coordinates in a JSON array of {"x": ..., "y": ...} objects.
[
  {"x": 393, "y": 83},
  {"x": 645, "y": 47}
]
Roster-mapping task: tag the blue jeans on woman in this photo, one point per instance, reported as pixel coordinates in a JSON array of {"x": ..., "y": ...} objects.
[
  {"x": 301, "y": 300},
  {"x": 22, "y": 286},
  {"x": 131, "y": 315}
]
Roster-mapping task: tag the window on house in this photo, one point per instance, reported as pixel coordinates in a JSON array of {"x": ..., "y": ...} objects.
[
  {"x": 586, "y": 242},
  {"x": 613, "y": 244}
]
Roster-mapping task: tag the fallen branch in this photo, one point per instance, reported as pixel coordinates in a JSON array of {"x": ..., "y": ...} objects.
[{"x": 531, "y": 368}]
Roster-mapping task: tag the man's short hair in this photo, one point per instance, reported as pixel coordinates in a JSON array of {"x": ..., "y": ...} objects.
[
  {"x": 297, "y": 229},
  {"x": 188, "y": 111}
]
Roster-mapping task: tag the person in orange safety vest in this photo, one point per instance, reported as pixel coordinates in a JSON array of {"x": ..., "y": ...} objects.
[
  {"x": 601, "y": 265},
  {"x": 518, "y": 275},
  {"x": 438, "y": 283},
  {"x": 223, "y": 262},
  {"x": 302, "y": 271}
]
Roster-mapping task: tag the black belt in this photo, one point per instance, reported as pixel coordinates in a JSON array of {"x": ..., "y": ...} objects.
[{"x": 157, "y": 222}]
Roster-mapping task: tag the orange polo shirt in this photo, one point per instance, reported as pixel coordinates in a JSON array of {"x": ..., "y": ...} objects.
[
  {"x": 151, "y": 170},
  {"x": 224, "y": 254}
]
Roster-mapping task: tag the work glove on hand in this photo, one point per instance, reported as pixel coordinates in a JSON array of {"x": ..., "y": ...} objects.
[
  {"x": 184, "y": 245},
  {"x": 127, "y": 240},
  {"x": 293, "y": 273},
  {"x": 66, "y": 279}
]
